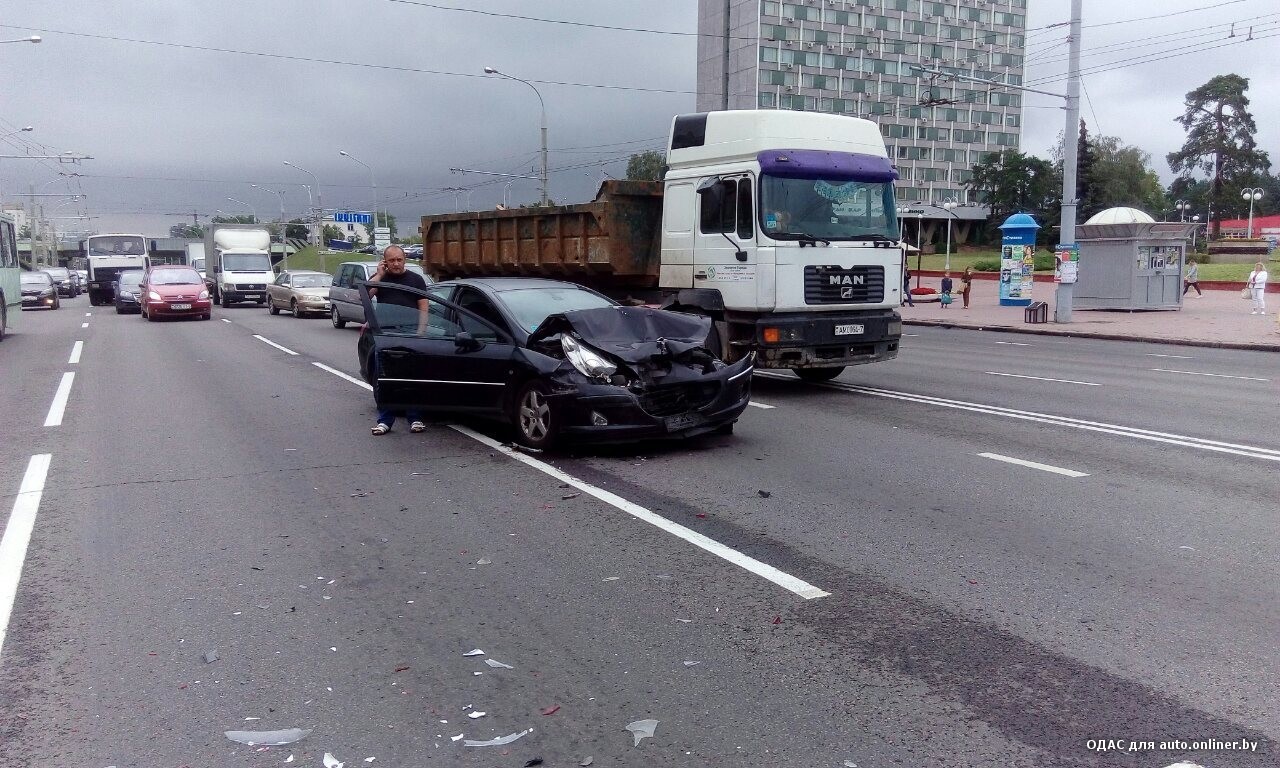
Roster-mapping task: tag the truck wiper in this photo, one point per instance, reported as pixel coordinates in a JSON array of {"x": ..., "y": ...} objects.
[
  {"x": 873, "y": 236},
  {"x": 810, "y": 239}
]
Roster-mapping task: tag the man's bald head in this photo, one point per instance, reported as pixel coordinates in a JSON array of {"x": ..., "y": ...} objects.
[
  {"x": 393, "y": 260},
  {"x": 390, "y": 249}
]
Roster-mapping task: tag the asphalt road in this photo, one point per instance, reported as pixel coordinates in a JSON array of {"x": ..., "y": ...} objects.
[{"x": 871, "y": 587}]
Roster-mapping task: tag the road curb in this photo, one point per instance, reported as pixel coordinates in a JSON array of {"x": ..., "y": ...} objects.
[{"x": 1092, "y": 335}]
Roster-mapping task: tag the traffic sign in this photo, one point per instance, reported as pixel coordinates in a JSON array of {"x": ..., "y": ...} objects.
[{"x": 353, "y": 217}]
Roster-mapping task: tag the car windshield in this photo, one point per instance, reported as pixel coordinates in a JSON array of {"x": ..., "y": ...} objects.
[
  {"x": 36, "y": 278},
  {"x": 312, "y": 281},
  {"x": 793, "y": 209},
  {"x": 530, "y": 306},
  {"x": 130, "y": 279},
  {"x": 175, "y": 277},
  {"x": 117, "y": 246},
  {"x": 57, "y": 273},
  {"x": 246, "y": 262}
]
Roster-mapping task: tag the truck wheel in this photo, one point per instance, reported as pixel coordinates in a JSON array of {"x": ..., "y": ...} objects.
[
  {"x": 537, "y": 423},
  {"x": 336, "y": 318},
  {"x": 818, "y": 374},
  {"x": 226, "y": 300},
  {"x": 271, "y": 307}
]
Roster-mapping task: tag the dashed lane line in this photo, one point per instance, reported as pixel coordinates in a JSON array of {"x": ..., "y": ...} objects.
[
  {"x": 1042, "y": 378},
  {"x": 1178, "y": 357},
  {"x": 76, "y": 349},
  {"x": 342, "y": 375},
  {"x": 17, "y": 535},
  {"x": 59, "y": 405},
  {"x": 265, "y": 340},
  {"x": 84, "y": 325},
  {"x": 225, "y": 320},
  {"x": 1034, "y": 465},
  {"x": 1215, "y": 375},
  {"x": 1014, "y": 343},
  {"x": 764, "y": 406}
]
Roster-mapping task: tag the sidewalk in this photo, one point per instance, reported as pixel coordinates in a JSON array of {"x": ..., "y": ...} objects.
[{"x": 1220, "y": 319}]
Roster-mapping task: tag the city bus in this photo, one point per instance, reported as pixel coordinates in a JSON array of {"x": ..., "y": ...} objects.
[
  {"x": 108, "y": 256},
  {"x": 10, "y": 288}
]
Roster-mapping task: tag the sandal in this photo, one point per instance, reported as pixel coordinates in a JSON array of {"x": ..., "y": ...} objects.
[
  {"x": 381, "y": 429},
  {"x": 418, "y": 426}
]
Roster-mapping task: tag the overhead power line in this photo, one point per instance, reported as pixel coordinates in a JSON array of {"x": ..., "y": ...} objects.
[{"x": 1059, "y": 24}]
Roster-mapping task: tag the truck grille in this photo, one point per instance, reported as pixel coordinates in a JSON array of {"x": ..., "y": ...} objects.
[
  {"x": 678, "y": 398},
  {"x": 251, "y": 287},
  {"x": 835, "y": 285}
]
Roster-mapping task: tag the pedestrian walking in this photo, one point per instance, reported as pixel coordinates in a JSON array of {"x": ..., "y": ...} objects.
[
  {"x": 906, "y": 286},
  {"x": 392, "y": 271},
  {"x": 1257, "y": 285},
  {"x": 947, "y": 286},
  {"x": 966, "y": 284},
  {"x": 1191, "y": 279}
]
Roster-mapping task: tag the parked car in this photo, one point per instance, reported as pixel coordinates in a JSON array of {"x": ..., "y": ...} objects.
[
  {"x": 62, "y": 278},
  {"x": 128, "y": 287},
  {"x": 301, "y": 292},
  {"x": 173, "y": 290},
  {"x": 556, "y": 360},
  {"x": 413, "y": 251},
  {"x": 39, "y": 291},
  {"x": 344, "y": 294}
]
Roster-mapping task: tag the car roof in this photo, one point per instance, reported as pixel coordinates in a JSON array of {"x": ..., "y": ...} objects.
[
  {"x": 500, "y": 284},
  {"x": 305, "y": 272},
  {"x": 171, "y": 266}
]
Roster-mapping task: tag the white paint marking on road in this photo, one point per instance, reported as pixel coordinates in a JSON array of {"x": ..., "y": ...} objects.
[
  {"x": 225, "y": 320},
  {"x": 88, "y": 314},
  {"x": 17, "y": 534},
  {"x": 1034, "y": 465},
  {"x": 265, "y": 340},
  {"x": 1042, "y": 378},
  {"x": 765, "y": 571},
  {"x": 1215, "y": 375},
  {"x": 84, "y": 325},
  {"x": 910, "y": 334},
  {"x": 1014, "y": 343},
  {"x": 76, "y": 349},
  {"x": 1179, "y": 357},
  {"x": 755, "y": 404},
  {"x": 1204, "y": 444},
  {"x": 59, "y": 405},
  {"x": 342, "y": 375}
]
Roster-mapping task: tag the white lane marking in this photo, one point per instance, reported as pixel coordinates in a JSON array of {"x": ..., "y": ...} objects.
[
  {"x": 17, "y": 534},
  {"x": 1215, "y": 375},
  {"x": 763, "y": 570},
  {"x": 342, "y": 375},
  {"x": 76, "y": 349},
  {"x": 910, "y": 334},
  {"x": 59, "y": 405},
  {"x": 1179, "y": 357},
  {"x": 225, "y": 320},
  {"x": 755, "y": 404},
  {"x": 84, "y": 325},
  {"x": 1204, "y": 444},
  {"x": 1042, "y": 378},
  {"x": 88, "y": 314},
  {"x": 1034, "y": 465},
  {"x": 1014, "y": 343},
  {"x": 265, "y": 340}
]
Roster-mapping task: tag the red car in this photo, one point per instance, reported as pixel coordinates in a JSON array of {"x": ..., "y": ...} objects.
[{"x": 173, "y": 290}]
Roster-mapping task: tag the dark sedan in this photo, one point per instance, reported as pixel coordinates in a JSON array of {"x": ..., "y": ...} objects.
[
  {"x": 558, "y": 361},
  {"x": 62, "y": 278},
  {"x": 39, "y": 291},
  {"x": 128, "y": 287}
]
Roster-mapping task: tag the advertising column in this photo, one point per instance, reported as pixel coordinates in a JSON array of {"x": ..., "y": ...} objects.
[{"x": 1017, "y": 260}]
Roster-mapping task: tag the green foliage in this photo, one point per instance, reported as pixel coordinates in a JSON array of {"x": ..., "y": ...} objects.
[
  {"x": 187, "y": 231},
  {"x": 646, "y": 166},
  {"x": 297, "y": 229},
  {"x": 238, "y": 219},
  {"x": 986, "y": 265},
  {"x": 1011, "y": 182},
  {"x": 1042, "y": 262},
  {"x": 331, "y": 232}
]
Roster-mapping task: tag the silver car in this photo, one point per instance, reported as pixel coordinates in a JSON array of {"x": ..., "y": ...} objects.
[{"x": 301, "y": 292}]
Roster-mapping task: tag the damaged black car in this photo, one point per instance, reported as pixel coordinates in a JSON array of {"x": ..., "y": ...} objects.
[{"x": 557, "y": 361}]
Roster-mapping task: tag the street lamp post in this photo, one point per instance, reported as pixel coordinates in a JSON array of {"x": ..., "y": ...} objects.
[
  {"x": 32, "y": 39},
  {"x": 919, "y": 212},
  {"x": 284, "y": 249},
  {"x": 1251, "y": 194},
  {"x": 252, "y": 210},
  {"x": 1182, "y": 206},
  {"x": 372, "y": 181},
  {"x": 319, "y": 214},
  {"x": 543, "y": 106},
  {"x": 949, "y": 205},
  {"x": 1195, "y": 224}
]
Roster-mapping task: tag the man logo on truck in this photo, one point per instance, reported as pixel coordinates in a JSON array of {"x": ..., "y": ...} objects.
[{"x": 847, "y": 279}]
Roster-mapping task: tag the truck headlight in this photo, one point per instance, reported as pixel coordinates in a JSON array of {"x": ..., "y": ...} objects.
[{"x": 588, "y": 361}]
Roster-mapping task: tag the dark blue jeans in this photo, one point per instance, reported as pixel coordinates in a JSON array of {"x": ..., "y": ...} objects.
[{"x": 388, "y": 415}]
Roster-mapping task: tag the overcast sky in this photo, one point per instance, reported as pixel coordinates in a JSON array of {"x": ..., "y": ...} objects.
[{"x": 174, "y": 129}]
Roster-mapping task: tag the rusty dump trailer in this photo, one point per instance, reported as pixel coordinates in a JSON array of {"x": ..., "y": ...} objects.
[{"x": 612, "y": 244}]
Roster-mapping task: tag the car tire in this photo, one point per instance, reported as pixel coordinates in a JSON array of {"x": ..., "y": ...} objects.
[
  {"x": 536, "y": 421},
  {"x": 4, "y": 317},
  {"x": 271, "y": 307},
  {"x": 226, "y": 301},
  {"x": 818, "y": 374},
  {"x": 336, "y": 318},
  {"x": 119, "y": 310},
  {"x": 207, "y": 316},
  {"x": 293, "y": 307},
  {"x": 57, "y": 303}
]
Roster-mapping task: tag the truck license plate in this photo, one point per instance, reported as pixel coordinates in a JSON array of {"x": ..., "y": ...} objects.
[
  {"x": 179, "y": 306},
  {"x": 850, "y": 330}
]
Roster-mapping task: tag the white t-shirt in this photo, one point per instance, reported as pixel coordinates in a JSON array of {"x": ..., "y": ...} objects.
[{"x": 1257, "y": 279}]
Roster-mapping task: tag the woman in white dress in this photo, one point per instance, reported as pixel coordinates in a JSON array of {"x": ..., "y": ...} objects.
[{"x": 1257, "y": 285}]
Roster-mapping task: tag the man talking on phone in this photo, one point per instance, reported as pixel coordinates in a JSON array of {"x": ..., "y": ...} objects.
[{"x": 392, "y": 271}]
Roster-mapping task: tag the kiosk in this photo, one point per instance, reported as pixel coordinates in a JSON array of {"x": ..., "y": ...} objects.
[{"x": 1130, "y": 261}]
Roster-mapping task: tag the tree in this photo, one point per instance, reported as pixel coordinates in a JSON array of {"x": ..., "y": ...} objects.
[
  {"x": 1121, "y": 175},
  {"x": 25, "y": 234},
  {"x": 1220, "y": 138},
  {"x": 1011, "y": 182},
  {"x": 646, "y": 166},
  {"x": 238, "y": 219},
  {"x": 297, "y": 229},
  {"x": 187, "y": 231},
  {"x": 331, "y": 232},
  {"x": 1085, "y": 160}
]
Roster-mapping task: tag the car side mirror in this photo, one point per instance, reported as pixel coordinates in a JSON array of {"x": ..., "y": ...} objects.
[
  {"x": 216, "y": 270},
  {"x": 465, "y": 342}
]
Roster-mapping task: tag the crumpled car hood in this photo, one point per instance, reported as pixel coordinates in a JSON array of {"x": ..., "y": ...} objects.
[{"x": 632, "y": 334}]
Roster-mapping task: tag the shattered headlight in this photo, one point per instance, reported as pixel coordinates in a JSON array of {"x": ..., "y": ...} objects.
[{"x": 590, "y": 362}]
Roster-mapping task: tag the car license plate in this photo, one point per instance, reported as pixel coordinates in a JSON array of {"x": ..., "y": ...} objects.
[
  {"x": 850, "y": 330},
  {"x": 179, "y": 306},
  {"x": 683, "y": 421}
]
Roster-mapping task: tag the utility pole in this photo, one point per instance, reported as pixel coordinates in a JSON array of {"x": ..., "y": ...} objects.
[
  {"x": 1070, "y": 158},
  {"x": 724, "y": 80}
]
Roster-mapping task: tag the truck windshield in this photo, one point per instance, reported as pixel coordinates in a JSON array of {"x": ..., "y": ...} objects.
[
  {"x": 116, "y": 246},
  {"x": 246, "y": 262},
  {"x": 197, "y": 264},
  {"x": 796, "y": 209}
]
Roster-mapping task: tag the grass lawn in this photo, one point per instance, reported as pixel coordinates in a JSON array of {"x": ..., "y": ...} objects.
[
  {"x": 314, "y": 258},
  {"x": 1236, "y": 272}
]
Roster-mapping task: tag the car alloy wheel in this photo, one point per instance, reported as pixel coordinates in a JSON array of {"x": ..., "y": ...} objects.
[
  {"x": 535, "y": 418},
  {"x": 293, "y": 306},
  {"x": 338, "y": 322},
  {"x": 271, "y": 306}
]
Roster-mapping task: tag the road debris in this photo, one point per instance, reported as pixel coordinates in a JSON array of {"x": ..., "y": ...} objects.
[
  {"x": 776, "y": 620},
  {"x": 611, "y": 578},
  {"x": 475, "y": 652},
  {"x": 588, "y": 760},
  {"x": 500, "y": 741},
  {"x": 476, "y": 715},
  {"x": 210, "y": 657},
  {"x": 692, "y": 663},
  {"x": 568, "y": 496},
  {"x": 850, "y": 764},
  {"x": 685, "y": 621},
  {"x": 268, "y": 738},
  {"x": 533, "y": 762},
  {"x": 289, "y": 759},
  {"x": 764, "y": 494},
  {"x": 361, "y": 494},
  {"x": 483, "y": 561},
  {"x": 331, "y": 762},
  {"x": 497, "y": 664},
  {"x": 370, "y": 759},
  {"x": 401, "y": 669},
  {"x": 642, "y": 729},
  {"x": 551, "y": 710},
  {"x": 457, "y": 738}
]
